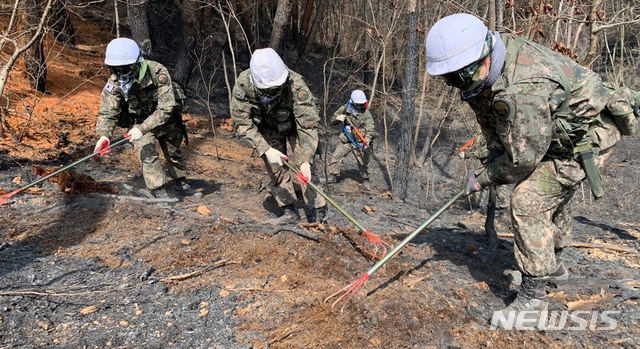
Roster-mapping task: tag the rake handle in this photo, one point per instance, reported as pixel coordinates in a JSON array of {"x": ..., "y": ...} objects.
[
  {"x": 329, "y": 199},
  {"x": 121, "y": 141},
  {"x": 417, "y": 231},
  {"x": 364, "y": 140}
]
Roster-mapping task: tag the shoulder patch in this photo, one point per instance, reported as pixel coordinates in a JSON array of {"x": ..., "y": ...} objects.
[
  {"x": 302, "y": 95},
  {"x": 238, "y": 93},
  {"x": 163, "y": 79},
  {"x": 109, "y": 87},
  {"x": 503, "y": 108}
]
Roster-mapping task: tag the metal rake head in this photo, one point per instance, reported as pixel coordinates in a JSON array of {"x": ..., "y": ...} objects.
[
  {"x": 4, "y": 199},
  {"x": 378, "y": 243},
  {"x": 348, "y": 291}
]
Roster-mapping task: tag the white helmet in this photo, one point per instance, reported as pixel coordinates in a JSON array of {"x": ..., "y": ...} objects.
[
  {"x": 454, "y": 42},
  {"x": 122, "y": 51},
  {"x": 267, "y": 68},
  {"x": 358, "y": 97}
]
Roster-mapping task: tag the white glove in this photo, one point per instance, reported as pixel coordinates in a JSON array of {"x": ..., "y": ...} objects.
[
  {"x": 274, "y": 156},
  {"x": 102, "y": 145},
  {"x": 134, "y": 134},
  {"x": 341, "y": 117},
  {"x": 305, "y": 169}
]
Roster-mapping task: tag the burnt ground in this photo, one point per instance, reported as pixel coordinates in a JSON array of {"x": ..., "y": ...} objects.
[
  {"x": 85, "y": 269},
  {"x": 82, "y": 264}
]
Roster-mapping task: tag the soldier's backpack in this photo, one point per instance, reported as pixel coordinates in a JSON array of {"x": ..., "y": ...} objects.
[{"x": 580, "y": 136}]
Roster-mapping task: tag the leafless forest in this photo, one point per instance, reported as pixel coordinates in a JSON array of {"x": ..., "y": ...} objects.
[
  {"x": 80, "y": 266},
  {"x": 360, "y": 44}
]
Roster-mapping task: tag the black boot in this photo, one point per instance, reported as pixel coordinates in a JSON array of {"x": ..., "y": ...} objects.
[
  {"x": 531, "y": 298},
  {"x": 288, "y": 215},
  {"x": 160, "y": 193},
  {"x": 186, "y": 190},
  {"x": 560, "y": 274},
  {"x": 320, "y": 215},
  {"x": 331, "y": 178}
]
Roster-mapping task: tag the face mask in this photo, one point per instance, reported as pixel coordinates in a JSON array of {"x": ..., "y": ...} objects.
[
  {"x": 355, "y": 109},
  {"x": 126, "y": 76},
  {"x": 269, "y": 95}
]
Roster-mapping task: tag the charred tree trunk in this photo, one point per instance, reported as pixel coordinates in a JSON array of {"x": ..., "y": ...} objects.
[
  {"x": 405, "y": 142},
  {"x": 500, "y": 15},
  {"x": 61, "y": 24},
  {"x": 190, "y": 20},
  {"x": 34, "y": 60},
  {"x": 242, "y": 9},
  {"x": 305, "y": 27},
  {"x": 367, "y": 73},
  {"x": 137, "y": 13},
  {"x": 280, "y": 23},
  {"x": 315, "y": 25},
  {"x": 492, "y": 15},
  {"x": 295, "y": 23}
]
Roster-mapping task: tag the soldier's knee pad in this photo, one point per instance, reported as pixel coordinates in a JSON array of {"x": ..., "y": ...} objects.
[
  {"x": 148, "y": 151},
  {"x": 624, "y": 110}
]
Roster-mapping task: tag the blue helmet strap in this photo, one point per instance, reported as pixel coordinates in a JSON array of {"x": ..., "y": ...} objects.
[{"x": 347, "y": 132}]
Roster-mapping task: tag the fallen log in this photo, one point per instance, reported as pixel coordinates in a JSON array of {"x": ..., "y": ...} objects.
[
  {"x": 134, "y": 198},
  {"x": 587, "y": 245}
]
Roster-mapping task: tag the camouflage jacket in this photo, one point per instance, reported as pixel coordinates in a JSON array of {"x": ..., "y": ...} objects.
[
  {"x": 295, "y": 112},
  {"x": 518, "y": 111},
  {"x": 364, "y": 122},
  {"x": 154, "y": 100}
]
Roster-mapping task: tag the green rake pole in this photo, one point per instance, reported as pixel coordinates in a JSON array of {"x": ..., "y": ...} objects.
[
  {"x": 374, "y": 239},
  {"x": 355, "y": 286},
  {"x": 5, "y": 198}
]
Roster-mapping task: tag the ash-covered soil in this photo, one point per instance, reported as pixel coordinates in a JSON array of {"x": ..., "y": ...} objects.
[{"x": 97, "y": 269}]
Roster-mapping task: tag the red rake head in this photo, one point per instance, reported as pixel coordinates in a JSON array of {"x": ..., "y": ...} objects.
[
  {"x": 348, "y": 290},
  {"x": 377, "y": 242},
  {"x": 4, "y": 199}
]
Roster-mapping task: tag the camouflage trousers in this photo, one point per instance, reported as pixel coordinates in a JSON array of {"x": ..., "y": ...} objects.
[
  {"x": 503, "y": 197},
  {"x": 541, "y": 213},
  {"x": 169, "y": 139},
  {"x": 281, "y": 182},
  {"x": 363, "y": 157}
]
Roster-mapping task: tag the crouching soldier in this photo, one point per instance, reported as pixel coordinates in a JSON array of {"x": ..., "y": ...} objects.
[
  {"x": 556, "y": 122},
  {"x": 358, "y": 133},
  {"x": 140, "y": 96},
  {"x": 273, "y": 110}
]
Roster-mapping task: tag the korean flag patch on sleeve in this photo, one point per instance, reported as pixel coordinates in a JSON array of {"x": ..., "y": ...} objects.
[{"x": 109, "y": 87}]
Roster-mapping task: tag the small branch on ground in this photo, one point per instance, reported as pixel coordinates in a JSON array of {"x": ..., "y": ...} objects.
[
  {"x": 296, "y": 231},
  {"x": 50, "y": 293},
  {"x": 192, "y": 274},
  {"x": 255, "y": 289}
]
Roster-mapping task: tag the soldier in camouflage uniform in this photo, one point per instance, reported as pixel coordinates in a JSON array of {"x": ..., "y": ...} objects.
[
  {"x": 354, "y": 114},
  {"x": 274, "y": 111},
  {"x": 141, "y": 97},
  {"x": 549, "y": 117}
]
